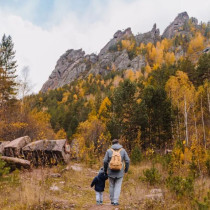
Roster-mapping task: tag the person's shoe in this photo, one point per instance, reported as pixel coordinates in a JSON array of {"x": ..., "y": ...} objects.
[
  {"x": 112, "y": 203},
  {"x": 116, "y": 204},
  {"x": 98, "y": 203},
  {"x": 101, "y": 202}
]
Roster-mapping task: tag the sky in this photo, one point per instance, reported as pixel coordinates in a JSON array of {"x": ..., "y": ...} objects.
[{"x": 42, "y": 30}]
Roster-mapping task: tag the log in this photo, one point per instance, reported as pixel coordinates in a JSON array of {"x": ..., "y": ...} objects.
[
  {"x": 17, "y": 161},
  {"x": 14, "y": 148},
  {"x": 2, "y": 145},
  {"x": 44, "y": 151}
]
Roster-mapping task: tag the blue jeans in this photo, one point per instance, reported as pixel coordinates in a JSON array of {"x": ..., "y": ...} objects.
[{"x": 115, "y": 188}]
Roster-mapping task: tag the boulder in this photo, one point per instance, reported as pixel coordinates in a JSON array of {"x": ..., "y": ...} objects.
[
  {"x": 155, "y": 194},
  {"x": 55, "y": 175},
  {"x": 14, "y": 148},
  {"x": 54, "y": 188},
  {"x": 47, "y": 152},
  {"x": 2, "y": 145}
]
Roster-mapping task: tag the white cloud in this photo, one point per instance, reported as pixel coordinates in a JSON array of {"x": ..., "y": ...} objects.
[{"x": 40, "y": 48}]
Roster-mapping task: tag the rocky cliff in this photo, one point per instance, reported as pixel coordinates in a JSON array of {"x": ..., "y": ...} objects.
[{"x": 74, "y": 64}]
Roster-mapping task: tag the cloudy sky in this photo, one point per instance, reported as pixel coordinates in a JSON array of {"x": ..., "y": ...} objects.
[{"x": 42, "y": 30}]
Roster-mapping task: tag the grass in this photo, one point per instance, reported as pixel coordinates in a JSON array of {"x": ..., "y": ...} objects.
[{"x": 31, "y": 190}]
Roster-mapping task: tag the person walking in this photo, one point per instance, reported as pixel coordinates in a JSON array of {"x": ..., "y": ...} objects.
[
  {"x": 99, "y": 183},
  {"x": 114, "y": 166}
]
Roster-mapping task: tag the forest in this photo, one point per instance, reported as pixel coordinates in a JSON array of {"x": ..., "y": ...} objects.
[{"x": 160, "y": 114}]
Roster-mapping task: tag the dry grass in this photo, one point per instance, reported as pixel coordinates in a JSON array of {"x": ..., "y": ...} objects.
[{"x": 32, "y": 191}]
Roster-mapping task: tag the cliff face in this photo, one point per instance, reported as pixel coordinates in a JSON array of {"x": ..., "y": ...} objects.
[
  {"x": 74, "y": 64},
  {"x": 71, "y": 65}
]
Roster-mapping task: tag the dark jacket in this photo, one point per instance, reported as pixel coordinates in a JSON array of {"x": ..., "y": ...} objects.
[
  {"x": 125, "y": 159},
  {"x": 99, "y": 181}
]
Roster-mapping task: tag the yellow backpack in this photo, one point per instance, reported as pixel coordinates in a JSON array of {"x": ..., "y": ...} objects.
[{"x": 116, "y": 160}]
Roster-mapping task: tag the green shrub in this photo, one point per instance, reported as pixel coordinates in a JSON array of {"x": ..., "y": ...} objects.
[
  {"x": 205, "y": 204},
  {"x": 136, "y": 155},
  {"x": 194, "y": 170},
  {"x": 3, "y": 169},
  {"x": 180, "y": 186},
  {"x": 152, "y": 176}
]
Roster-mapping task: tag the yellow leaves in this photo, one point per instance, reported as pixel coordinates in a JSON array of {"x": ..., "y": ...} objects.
[
  {"x": 65, "y": 97},
  {"x": 156, "y": 66},
  {"x": 75, "y": 97},
  {"x": 179, "y": 88},
  {"x": 138, "y": 74},
  {"x": 170, "y": 58},
  {"x": 196, "y": 44},
  {"x": 177, "y": 159},
  {"x": 117, "y": 80},
  {"x": 113, "y": 67},
  {"x": 152, "y": 53},
  {"x": 40, "y": 123},
  {"x": 128, "y": 45},
  {"x": 108, "y": 68},
  {"x": 149, "y": 46},
  {"x": 129, "y": 74},
  {"x": 90, "y": 78},
  {"x": 90, "y": 136},
  {"x": 103, "y": 112},
  {"x": 61, "y": 134},
  {"x": 156, "y": 54},
  {"x": 165, "y": 44},
  {"x": 139, "y": 101},
  {"x": 19, "y": 125},
  {"x": 149, "y": 152},
  {"x": 81, "y": 92},
  {"x": 147, "y": 70},
  {"x": 40, "y": 117},
  {"x": 102, "y": 82}
]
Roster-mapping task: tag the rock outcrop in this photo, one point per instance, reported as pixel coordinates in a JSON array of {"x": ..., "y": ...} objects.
[
  {"x": 118, "y": 36},
  {"x": 74, "y": 64},
  {"x": 152, "y": 36},
  {"x": 176, "y": 26},
  {"x": 69, "y": 67}
]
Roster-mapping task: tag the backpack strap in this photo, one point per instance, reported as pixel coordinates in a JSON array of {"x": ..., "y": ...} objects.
[{"x": 119, "y": 150}]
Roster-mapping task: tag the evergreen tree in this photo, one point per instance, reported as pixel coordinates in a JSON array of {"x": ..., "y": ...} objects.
[
  {"x": 154, "y": 115},
  {"x": 7, "y": 70},
  {"x": 203, "y": 69},
  {"x": 124, "y": 104}
]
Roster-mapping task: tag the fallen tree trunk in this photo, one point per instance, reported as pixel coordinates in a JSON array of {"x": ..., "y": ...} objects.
[{"x": 17, "y": 161}]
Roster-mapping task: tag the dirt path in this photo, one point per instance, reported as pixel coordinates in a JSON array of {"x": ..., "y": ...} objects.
[
  {"x": 106, "y": 201},
  {"x": 106, "y": 205}
]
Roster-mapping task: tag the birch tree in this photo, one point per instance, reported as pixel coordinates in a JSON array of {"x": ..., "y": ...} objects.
[{"x": 182, "y": 93}]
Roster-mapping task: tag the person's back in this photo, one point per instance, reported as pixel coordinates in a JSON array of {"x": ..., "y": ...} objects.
[{"x": 115, "y": 176}]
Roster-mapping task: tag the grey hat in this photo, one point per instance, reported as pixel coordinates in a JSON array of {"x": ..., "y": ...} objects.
[{"x": 115, "y": 141}]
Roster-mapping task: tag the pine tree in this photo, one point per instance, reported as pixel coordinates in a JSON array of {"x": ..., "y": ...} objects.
[{"x": 7, "y": 70}]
